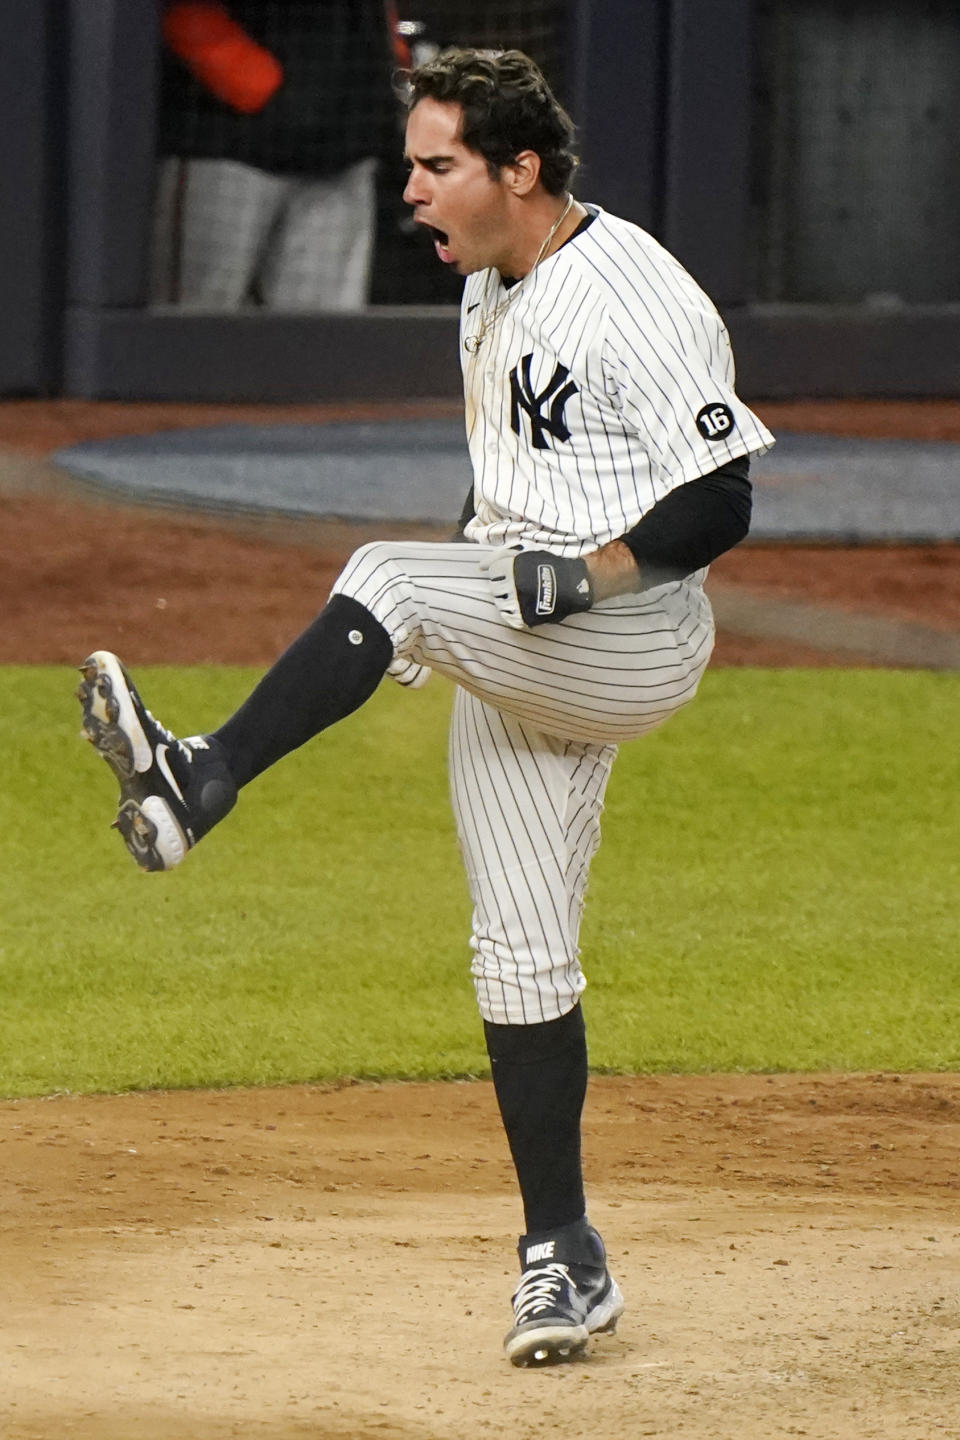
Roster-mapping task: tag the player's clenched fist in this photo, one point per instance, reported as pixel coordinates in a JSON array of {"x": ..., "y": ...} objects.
[{"x": 533, "y": 586}]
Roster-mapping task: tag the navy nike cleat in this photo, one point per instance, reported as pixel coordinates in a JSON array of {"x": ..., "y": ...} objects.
[
  {"x": 171, "y": 791},
  {"x": 565, "y": 1295}
]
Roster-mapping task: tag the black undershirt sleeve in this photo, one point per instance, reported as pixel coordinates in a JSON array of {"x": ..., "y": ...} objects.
[
  {"x": 694, "y": 523},
  {"x": 688, "y": 528},
  {"x": 466, "y": 515}
]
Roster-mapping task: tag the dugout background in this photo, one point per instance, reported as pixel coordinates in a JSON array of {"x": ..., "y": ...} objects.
[{"x": 799, "y": 156}]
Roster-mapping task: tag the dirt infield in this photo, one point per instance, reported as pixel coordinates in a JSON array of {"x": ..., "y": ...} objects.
[
  {"x": 166, "y": 587},
  {"x": 335, "y": 1262}
]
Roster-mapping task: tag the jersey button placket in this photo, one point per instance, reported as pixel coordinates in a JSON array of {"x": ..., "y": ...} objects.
[{"x": 490, "y": 385}]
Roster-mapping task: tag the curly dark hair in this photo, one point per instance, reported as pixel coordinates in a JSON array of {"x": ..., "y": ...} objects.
[{"x": 507, "y": 107}]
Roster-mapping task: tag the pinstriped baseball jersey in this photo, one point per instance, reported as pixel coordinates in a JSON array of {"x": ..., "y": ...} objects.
[{"x": 604, "y": 381}]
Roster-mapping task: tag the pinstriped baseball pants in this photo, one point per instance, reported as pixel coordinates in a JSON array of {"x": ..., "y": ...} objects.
[{"x": 536, "y": 722}]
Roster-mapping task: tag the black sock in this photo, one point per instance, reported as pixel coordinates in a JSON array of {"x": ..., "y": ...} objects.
[
  {"x": 327, "y": 673},
  {"x": 540, "y": 1079}
]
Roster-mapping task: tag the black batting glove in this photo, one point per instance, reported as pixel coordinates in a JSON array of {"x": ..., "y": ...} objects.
[{"x": 533, "y": 587}]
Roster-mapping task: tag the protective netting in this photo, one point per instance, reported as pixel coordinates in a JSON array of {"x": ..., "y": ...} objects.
[
  {"x": 537, "y": 26},
  {"x": 857, "y": 166},
  {"x": 335, "y": 108}
]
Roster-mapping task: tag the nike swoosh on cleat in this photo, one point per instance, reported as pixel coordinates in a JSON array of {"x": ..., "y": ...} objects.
[{"x": 163, "y": 765}]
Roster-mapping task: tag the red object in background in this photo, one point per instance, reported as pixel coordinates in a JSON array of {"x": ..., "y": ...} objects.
[
  {"x": 220, "y": 54},
  {"x": 401, "y": 50}
]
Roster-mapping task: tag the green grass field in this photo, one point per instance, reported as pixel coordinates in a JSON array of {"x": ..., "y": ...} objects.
[{"x": 777, "y": 890}]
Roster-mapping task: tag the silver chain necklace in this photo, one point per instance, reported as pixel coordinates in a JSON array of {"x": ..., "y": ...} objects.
[{"x": 489, "y": 318}]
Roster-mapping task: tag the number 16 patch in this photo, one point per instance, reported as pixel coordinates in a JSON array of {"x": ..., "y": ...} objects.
[{"x": 715, "y": 421}]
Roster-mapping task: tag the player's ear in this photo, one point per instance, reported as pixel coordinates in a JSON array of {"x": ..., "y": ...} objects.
[{"x": 522, "y": 174}]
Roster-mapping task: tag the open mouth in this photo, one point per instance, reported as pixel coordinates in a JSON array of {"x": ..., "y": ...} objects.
[
  {"x": 441, "y": 243},
  {"x": 440, "y": 238}
]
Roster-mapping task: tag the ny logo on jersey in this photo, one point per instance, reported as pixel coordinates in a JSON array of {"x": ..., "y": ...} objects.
[{"x": 522, "y": 397}]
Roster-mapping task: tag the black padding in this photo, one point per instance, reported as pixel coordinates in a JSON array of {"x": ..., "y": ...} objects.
[{"x": 326, "y": 674}]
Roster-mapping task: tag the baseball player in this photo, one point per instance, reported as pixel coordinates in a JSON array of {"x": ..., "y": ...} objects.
[{"x": 610, "y": 458}]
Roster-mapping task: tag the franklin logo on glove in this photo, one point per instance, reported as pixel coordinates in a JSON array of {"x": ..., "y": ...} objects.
[{"x": 546, "y": 589}]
